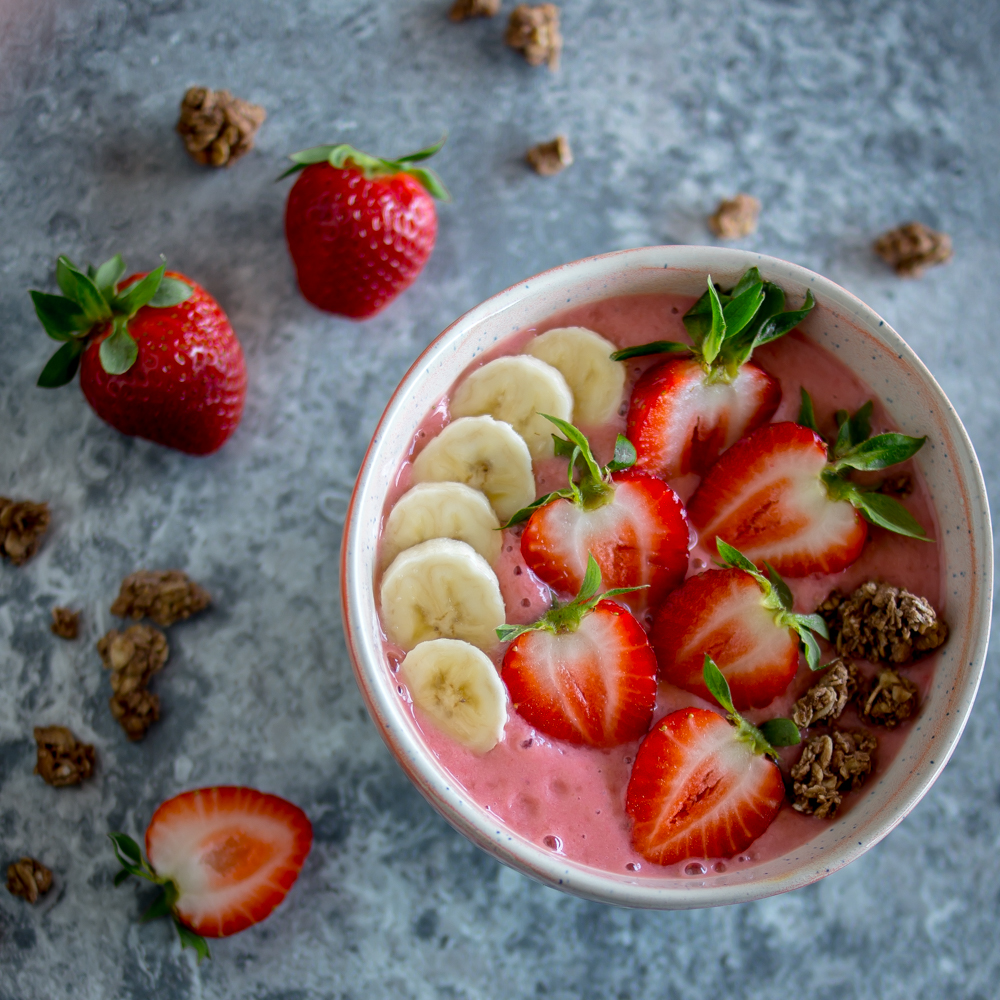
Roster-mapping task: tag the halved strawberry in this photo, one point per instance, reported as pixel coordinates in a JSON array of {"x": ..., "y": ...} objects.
[
  {"x": 744, "y": 621},
  {"x": 687, "y": 411},
  {"x": 777, "y": 496},
  {"x": 226, "y": 857},
  {"x": 634, "y": 525},
  {"x": 702, "y": 787},
  {"x": 584, "y": 672}
]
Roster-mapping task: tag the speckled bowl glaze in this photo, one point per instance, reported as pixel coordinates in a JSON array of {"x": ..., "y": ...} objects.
[{"x": 867, "y": 345}]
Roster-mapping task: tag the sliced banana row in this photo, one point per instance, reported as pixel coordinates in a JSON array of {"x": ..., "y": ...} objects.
[{"x": 459, "y": 688}]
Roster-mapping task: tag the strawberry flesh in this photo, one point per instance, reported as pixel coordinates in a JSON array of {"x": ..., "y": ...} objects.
[
  {"x": 595, "y": 685},
  {"x": 233, "y": 854},
  {"x": 697, "y": 791},
  {"x": 640, "y": 537},
  {"x": 357, "y": 242},
  {"x": 681, "y": 423},
  {"x": 720, "y": 612},
  {"x": 765, "y": 497}
]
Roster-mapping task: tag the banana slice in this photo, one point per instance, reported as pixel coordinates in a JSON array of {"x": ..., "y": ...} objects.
[
  {"x": 441, "y": 588},
  {"x": 517, "y": 389},
  {"x": 442, "y": 510},
  {"x": 584, "y": 358},
  {"x": 485, "y": 454},
  {"x": 459, "y": 688}
]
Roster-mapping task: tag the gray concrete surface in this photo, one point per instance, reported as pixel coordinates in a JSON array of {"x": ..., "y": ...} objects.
[{"x": 843, "y": 116}]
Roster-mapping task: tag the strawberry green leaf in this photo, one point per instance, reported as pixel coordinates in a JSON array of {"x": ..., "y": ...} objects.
[
  {"x": 780, "y": 587},
  {"x": 717, "y": 331},
  {"x": 127, "y": 846},
  {"x": 809, "y": 646},
  {"x": 423, "y": 154},
  {"x": 119, "y": 351},
  {"x": 62, "y": 318},
  {"x": 172, "y": 292},
  {"x": 815, "y": 623},
  {"x": 884, "y": 511},
  {"x": 880, "y": 452},
  {"x": 562, "y": 447},
  {"x": 807, "y": 415},
  {"x": 625, "y": 455},
  {"x": 740, "y": 309},
  {"x": 191, "y": 940},
  {"x": 842, "y": 444},
  {"x": 107, "y": 276},
  {"x": 81, "y": 289},
  {"x": 781, "y": 732},
  {"x": 136, "y": 296},
  {"x": 860, "y": 425},
  {"x": 507, "y": 633},
  {"x": 121, "y": 876},
  {"x": 697, "y": 321},
  {"x": 430, "y": 180},
  {"x": 734, "y": 559},
  {"x": 62, "y": 366},
  {"x": 655, "y": 347},
  {"x": 591, "y": 581},
  {"x": 777, "y": 326},
  {"x": 525, "y": 512},
  {"x": 717, "y": 684},
  {"x": 750, "y": 278},
  {"x": 580, "y": 440},
  {"x": 162, "y": 905}
]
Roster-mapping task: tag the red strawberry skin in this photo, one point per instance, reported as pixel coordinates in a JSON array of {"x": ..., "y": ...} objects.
[
  {"x": 679, "y": 424},
  {"x": 187, "y": 387},
  {"x": 641, "y": 537},
  {"x": 698, "y": 792},
  {"x": 233, "y": 853},
  {"x": 596, "y": 685},
  {"x": 765, "y": 497},
  {"x": 357, "y": 243},
  {"x": 720, "y": 613}
]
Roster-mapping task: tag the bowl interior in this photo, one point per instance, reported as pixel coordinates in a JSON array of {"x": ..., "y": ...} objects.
[{"x": 869, "y": 347}]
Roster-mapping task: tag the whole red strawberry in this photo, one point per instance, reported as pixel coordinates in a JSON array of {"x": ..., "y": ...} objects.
[
  {"x": 157, "y": 356},
  {"x": 360, "y": 229}
]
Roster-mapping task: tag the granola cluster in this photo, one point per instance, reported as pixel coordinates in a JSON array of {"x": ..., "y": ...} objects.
[
  {"x": 28, "y": 879},
  {"x": 165, "y": 596},
  {"x": 890, "y": 700},
  {"x": 831, "y": 765},
  {"x": 735, "y": 218},
  {"x": 22, "y": 524},
  {"x": 216, "y": 127},
  {"x": 548, "y": 158},
  {"x": 534, "y": 32},
  {"x": 912, "y": 248},
  {"x": 65, "y": 623},
  {"x": 62, "y": 759},
  {"x": 826, "y": 699},
  {"x": 133, "y": 656},
  {"x": 463, "y": 9},
  {"x": 881, "y": 622}
]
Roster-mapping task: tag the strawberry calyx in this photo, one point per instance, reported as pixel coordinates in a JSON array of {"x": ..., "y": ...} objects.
[
  {"x": 342, "y": 155},
  {"x": 725, "y": 327},
  {"x": 594, "y": 488},
  {"x": 567, "y": 617},
  {"x": 855, "y": 448},
  {"x": 90, "y": 301},
  {"x": 778, "y": 600},
  {"x": 762, "y": 739},
  {"x": 129, "y": 856}
]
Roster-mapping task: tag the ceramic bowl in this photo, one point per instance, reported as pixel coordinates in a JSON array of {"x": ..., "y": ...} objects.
[{"x": 868, "y": 346}]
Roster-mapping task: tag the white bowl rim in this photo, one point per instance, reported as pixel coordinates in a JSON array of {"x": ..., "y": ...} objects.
[{"x": 389, "y": 712}]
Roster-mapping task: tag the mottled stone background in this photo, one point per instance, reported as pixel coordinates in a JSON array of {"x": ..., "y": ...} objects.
[{"x": 843, "y": 116}]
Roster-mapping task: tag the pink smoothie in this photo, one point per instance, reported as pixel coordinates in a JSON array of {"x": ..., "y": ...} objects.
[{"x": 570, "y": 799}]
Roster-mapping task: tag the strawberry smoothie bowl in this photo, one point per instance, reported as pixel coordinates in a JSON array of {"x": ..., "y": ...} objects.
[{"x": 667, "y": 577}]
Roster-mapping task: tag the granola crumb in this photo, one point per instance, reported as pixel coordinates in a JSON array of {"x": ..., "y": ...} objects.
[
  {"x": 28, "y": 879},
  {"x": 891, "y": 699},
  {"x": 133, "y": 656},
  {"x": 548, "y": 158},
  {"x": 898, "y": 486},
  {"x": 463, "y": 9},
  {"x": 735, "y": 218},
  {"x": 830, "y": 765},
  {"x": 881, "y": 622},
  {"x": 534, "y": 32},
  {"x": 216, "y": 127},
  {"x": 166, "y": 596},
  {"x": 62, "y": 759},
  {"x": 65, "y": 623},
  {"x": 912, "y": 248},
  {"x": 826, "y": 699},
  {"x": 22, "y": 524}
]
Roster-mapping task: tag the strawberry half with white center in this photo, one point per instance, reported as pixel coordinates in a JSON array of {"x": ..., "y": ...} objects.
[
  {"x": 685, "y": 412},
  {"x": 225, "y": 856},
  {"x": 584, "y": 672},
  {"x": 702, "y": 787},
  {"x": 157, "y": 356},
  {"x": 359, "y": 228},
  {"x": 744, "y": 620},
  {"x": 780, "y": 495},
  {"x": 633, "y": 524}
]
